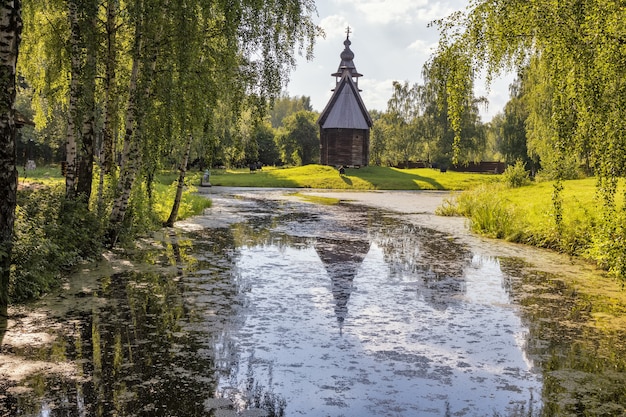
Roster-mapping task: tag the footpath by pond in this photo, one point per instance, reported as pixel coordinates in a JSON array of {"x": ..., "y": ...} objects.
[{"x": 270, "y": 305}]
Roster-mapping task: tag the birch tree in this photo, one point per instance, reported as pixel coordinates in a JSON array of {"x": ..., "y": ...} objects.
[
  {"x": 451, "y": 108},
  {"x": 143, "y": 65},
  {"x": 82, "y": 15},
  {"x": 10, "y": 35},
  {"x": 111, "y": 95},
  {"x": 576, "y": 51},
  {"x": 178, "y": 61},
  {"x": 232, "y": 54},
  {"x": 405, "y": 107}
]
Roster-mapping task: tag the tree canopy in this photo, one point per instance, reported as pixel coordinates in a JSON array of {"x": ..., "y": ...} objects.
[
  {"x": 143, "y": 84},
  {"x": 572, "y": 55}
]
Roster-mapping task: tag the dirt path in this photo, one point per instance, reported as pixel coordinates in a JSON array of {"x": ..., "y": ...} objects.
[{"x": 406, "y": 202}]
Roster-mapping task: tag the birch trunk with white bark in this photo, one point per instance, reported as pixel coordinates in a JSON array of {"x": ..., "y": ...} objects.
[
  {"x": 130, "y": 157},
  {"x": 110, "y": 95},
  {"x": 74, "y": 97},
  {"x": 10, "y": 36}
]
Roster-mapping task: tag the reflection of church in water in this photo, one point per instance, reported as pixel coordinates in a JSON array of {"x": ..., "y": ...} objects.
[
  {"x": 341, "y": 259},
  {"x": 433, "y": 264}
]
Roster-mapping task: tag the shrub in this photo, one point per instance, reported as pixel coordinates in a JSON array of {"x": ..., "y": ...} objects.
[
  {"x": 608, "y": 247},
  {"x": 52, "y": 235},
  {"x": 516, "y": 175},
  {"x": 566, "y": 168},
  {"x": 489, "y": 212}
]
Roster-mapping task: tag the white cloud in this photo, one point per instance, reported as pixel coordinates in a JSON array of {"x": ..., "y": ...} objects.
[
  {"x": 376, "y": 93},
  {"x": 334, "y": 26},
  {"x": 407, "y": 11},
  {"x": 423, "y": 47},
  {"x": 382, "y": 11},
  {"x": 436, "y": 10},
  {"x": 390, "y": 40}
]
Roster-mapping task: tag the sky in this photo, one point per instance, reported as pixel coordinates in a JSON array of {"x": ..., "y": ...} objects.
[{"x": 391, "y": 41}]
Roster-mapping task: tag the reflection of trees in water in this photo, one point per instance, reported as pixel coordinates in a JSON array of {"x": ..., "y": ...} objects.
[
  {"x": 253, "y": 394},
  {"x": 245, "y": 234},
  {"x": 3, "y": 324},
  {"x": 213, "y": 297},
  {"x": 433, "y": 258},
  {"x": 152, "y": 343},
  {"x": 583, "y": 366},
  {"x": 4, "y": 384},
  {"x": 129, "y": 354},
  {"x": 343, "y": 238},
  {"x": 147, "y": 362}
]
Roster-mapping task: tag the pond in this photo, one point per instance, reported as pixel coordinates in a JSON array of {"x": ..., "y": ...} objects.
[{"x": 272, "y": 306}]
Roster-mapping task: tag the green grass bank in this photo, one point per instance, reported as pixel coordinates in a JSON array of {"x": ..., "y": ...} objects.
[
  {"x": 366, "y": 178},
  {"x": 527, "y": 215}
]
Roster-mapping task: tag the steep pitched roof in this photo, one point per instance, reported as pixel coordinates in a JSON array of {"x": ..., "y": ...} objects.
[{"x": 345, "y": 109}]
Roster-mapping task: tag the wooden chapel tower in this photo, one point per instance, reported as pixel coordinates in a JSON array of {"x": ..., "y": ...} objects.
[{"x": 345, "y": 123}]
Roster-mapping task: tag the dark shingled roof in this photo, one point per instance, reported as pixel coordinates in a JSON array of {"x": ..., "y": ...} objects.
[{"x": 345, "y": 109}]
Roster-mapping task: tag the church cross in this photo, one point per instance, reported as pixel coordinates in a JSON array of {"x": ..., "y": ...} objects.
[{"x": 348, "y": 32}]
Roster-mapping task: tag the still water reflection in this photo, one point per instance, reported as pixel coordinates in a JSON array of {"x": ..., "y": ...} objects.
[{"x": 276, "y": 308}]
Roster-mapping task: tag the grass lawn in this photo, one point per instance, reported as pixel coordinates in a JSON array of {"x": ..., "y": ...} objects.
[
  {"x": 366, "y": 178},
  {"x": 535, "y": 202},
  {"x": 532, "y": 204},
  {"x": 46, "y": 175},
  {"x": 164, "y": 190},
  {"x": 310, "y": 176},
  {"x": 527, "y": 215}
]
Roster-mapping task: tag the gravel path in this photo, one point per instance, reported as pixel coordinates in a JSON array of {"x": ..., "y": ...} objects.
[{"x": 406, "y": 202}]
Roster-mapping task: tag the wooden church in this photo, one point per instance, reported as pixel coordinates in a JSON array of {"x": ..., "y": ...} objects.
[{"x": 345, "y": 123}]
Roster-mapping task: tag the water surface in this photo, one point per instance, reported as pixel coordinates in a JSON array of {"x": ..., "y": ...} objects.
[{"x": 267, "y": 306}]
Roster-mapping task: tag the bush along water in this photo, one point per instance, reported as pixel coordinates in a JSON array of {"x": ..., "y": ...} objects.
[
  {"x": 489, "y": 212},
  {"x": 608, "y": 247},
  {"x": 52, "y": 235}
]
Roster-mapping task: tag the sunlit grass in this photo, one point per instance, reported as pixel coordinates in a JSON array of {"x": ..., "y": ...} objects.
[
  {"x": 580, "y": 211},
  {"x": 526, "y": 214},
  {"x": 327, "y": 201},
  {"x": 44, "y": 175},
  {"x": 164, "y": 189},
  {"x": 192, "y": 204},
  {"x": 366, "y": 178},
  {"x": 308, "y": 176}
]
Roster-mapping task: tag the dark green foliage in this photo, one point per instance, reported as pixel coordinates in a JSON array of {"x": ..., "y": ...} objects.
[
  {"x": 140, "y": 217},
  {"x": 285, "y": 106},
  {"x": 52, "y": 235},
  {"x": 268, "y": 151},
  {"x": 511, "y": 129},
  {"x": 298, "y": 141},
  {"x": 609, "y": 242}
]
